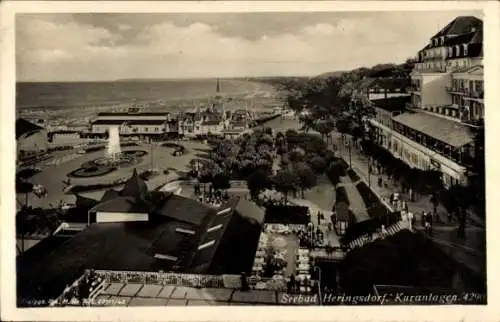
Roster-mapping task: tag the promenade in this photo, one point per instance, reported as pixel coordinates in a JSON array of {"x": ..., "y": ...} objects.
[{"x": 470, "y": 251}]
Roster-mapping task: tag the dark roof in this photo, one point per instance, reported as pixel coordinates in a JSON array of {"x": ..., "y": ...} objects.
[
  {"x": 110, "y": 194},
  {"x": 459, "y": 39},
  {"x": 237, "y": 238},
  {"x": 460, "y": 25},
  {"x": 447, "y": 131},
  {"x": 250, "y": 210},
  {"x": 392, "y": 104},
  {"x": 108, "y": 246},
  {"x": 405, "y": 258},
  {"x": 211, "y": 122},
  {"x": 24, "y": 127},
  {"x": 130, "y": 122},
  {"x": 122, "y": 204},
  {"x": 133, "y": 245},
  {"x": 184, "y": 209},
  {"x": 135, "y": 187},
  {"x": 389, "y": 83}
]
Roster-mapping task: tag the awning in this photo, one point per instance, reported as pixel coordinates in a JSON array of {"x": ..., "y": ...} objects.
[{"x": 444, "y": 130}]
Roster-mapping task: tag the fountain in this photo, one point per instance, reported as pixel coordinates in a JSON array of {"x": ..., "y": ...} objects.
[
  {"x": 113, "y": 159},
  {"x": 114, "y": 149}
]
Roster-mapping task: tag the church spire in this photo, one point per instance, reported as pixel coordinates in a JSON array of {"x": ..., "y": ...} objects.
[{"x": 217, "y": 90}]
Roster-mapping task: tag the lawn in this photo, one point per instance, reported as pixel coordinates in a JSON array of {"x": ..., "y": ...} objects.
[{"x": 323, "y": 194}]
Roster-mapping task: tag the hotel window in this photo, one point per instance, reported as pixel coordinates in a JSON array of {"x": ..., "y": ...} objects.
[
  {"x": 156, "y": 129},
  {"x": 457, "y": 50},
  {"x": 465, "y": 49},
  {"x": 450, "y": 51},
  {"x": 203, "y": 246},
  {"x": 442, "y": 40}
]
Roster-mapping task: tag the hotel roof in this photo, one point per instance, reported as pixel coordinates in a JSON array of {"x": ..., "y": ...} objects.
[
  {"x": 392, "y": 104},
  {"x": 460, "y": 25},
  {"x": 447, "y": 131}
]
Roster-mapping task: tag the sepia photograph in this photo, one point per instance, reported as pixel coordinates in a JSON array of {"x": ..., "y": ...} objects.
[{"x": 250, "y": 158}]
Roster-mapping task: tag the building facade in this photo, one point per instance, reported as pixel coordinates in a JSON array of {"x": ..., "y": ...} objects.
[{"x": 446, "y": 103}]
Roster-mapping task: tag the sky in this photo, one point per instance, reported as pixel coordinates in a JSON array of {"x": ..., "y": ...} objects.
[{"x": 105, "y": 46}]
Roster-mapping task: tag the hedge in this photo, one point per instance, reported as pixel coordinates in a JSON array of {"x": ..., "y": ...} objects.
[
  {"x": 375, "y": 208},
  {"x": 341, "y": 195}
]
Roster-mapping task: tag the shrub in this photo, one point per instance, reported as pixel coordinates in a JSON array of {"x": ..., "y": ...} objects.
[
  {"x": 341, "y": 195},
  {"x": 353, "y": 175}
]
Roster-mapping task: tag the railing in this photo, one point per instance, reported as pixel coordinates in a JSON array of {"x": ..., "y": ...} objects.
[
  {"x": 179, "y": 279},
  {"x": 477, "y": 94},
  {"x": 454, "y": 89}
]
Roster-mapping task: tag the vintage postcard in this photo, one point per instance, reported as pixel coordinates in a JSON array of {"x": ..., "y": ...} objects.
[{"x": 318, "y": 161}]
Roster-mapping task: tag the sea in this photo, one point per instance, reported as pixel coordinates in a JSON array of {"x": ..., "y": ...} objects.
[{"x": 77, "y": 95}]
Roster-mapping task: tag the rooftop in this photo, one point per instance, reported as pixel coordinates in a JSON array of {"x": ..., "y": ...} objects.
[
  {"x": 447, "y": 131},
  {"x": 388, "y": 83},
  {"x": 174, "y": 230}
]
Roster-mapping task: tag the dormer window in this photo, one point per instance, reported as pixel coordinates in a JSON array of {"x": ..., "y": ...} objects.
[
  {"x": 184, "y": 231},
  {"x": 450, "y": 51},
  {"x": 166, "y": 257},
  {"x": 214, "y": 228},
  {"x": 457, "y": 48},
  {"x": 206, "y": 245},
  {"x": 223, "y": 212},
  {"x": 442, "y": 40}
]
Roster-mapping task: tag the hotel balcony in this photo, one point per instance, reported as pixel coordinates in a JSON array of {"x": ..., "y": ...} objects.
[
  {"x": 475, "y": 95},
  {"x": 457, "y": 90}
]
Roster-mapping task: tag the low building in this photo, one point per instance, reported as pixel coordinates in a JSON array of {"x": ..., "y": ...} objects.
[
  {"x": 379, "y": 88},
  {"x": 139, "y": 124},
  {"x": 446, "y": 104},
  {"x": 31, "y": 139},
  {"x": 385, "y": 110}
]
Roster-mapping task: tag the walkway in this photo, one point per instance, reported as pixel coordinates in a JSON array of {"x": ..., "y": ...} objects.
[
  {"x": 446, "y": 238},
  {"x": 356, "y": 203}
]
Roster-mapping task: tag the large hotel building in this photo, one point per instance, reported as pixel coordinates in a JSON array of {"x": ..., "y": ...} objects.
[{"x": 434, "y": 130}]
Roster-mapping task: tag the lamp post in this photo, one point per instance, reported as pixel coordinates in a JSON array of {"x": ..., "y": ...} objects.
[
  {"x": 369, "y": 171},
  {"x": 319, "y": 283}
]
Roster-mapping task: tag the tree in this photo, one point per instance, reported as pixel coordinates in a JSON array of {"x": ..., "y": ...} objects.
[
  {"x": 317, "y": 163},
  {"x": 258, "y": 181},
  {"x": 306, "y": 178},
  {"x": 221, "y": 181},
  {"x": 334, "y": 172},
  {"x": 285, "y": 181}
]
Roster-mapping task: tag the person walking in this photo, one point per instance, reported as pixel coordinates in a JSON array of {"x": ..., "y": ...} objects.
[{"x": 410, "y": 220}]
